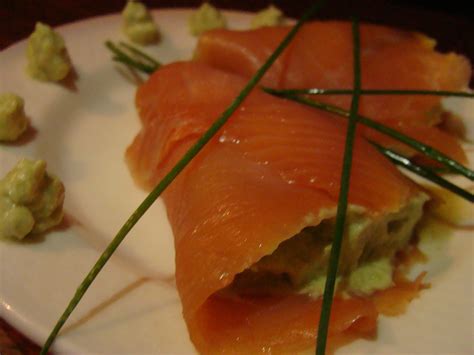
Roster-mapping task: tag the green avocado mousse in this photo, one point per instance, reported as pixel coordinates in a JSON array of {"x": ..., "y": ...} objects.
[
  {"x": 47, "y": 56},
  {"x": 31, "y": 200},
  {"x": 13, "y": 121}
]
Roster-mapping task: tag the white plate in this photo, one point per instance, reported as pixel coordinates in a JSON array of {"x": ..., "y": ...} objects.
[{"x": 133, "y": 306}]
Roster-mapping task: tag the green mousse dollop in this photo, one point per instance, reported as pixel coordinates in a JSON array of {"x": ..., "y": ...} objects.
[
  {"x": 271, "y": 16},
  {"x": 13, "y": 121},
  {"x": 31, "y": 200},
  {"x": 47, "y": 56},
  {"x": 138, "y": 23},
  {"x": 206, "y": 18}
]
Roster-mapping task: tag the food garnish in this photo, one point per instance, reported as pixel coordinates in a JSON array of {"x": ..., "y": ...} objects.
[
  {"x": 205, "y": 18},
  {"x": 138, "y": 23},
  {"x": 424, "y": 172},
  {"x": 48, "y": 59},
  {"x": 318, "y": 91},
  {"x": 271, "y": 16},
  {"x": 342, "y": 202},
  {"x": 135, "y": 58},
  {"x": 13, "y": 121},
  {"x": 31, "y": 200}
]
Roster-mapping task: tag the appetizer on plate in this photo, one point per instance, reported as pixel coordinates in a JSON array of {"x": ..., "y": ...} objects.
[{"x": 253, "y": 214}]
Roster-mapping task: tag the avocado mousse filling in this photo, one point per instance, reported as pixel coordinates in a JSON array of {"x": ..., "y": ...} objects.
[{"x": 299, "y": 264}]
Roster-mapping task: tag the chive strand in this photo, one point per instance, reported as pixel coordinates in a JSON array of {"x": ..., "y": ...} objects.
[
  {"x": 318, "y": 91},
  {"x": 122, "y": 57},
  {"x": 342, "y": 203},
  {"x": 142, "y": 67},
  {"x": 424, "y": 172},
  {"x": 163, "y": 184},
  {"x": 141, "y": 54},
  {"x": 429, "y": 151}
]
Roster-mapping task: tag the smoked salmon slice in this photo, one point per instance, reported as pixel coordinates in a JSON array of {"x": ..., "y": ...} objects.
[
  {"x": 272, "y": 171},
  {"x": 320, "y": 55}
]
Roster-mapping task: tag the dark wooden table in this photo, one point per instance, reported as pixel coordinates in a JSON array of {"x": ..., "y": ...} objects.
[{"x": 449, "y": 22}]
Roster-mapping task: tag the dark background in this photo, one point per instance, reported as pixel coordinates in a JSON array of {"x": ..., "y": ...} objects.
[
  {"x": 448, "y": 21},
  {"x": 451, "y": 23}
]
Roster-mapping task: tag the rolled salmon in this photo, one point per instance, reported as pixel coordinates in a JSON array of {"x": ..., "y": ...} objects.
[{"x": 253, "y": 214}]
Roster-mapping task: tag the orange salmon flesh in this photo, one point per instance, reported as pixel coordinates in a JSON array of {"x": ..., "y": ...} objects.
[
  {"x": 271, "y": 170},
  {"x": 320, "y": 57}
]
